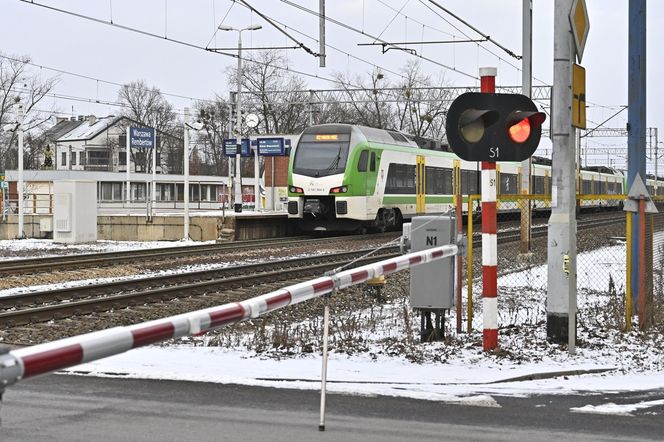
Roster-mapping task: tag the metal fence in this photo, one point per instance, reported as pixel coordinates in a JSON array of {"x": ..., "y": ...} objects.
[{"x": 602, "y": 261}]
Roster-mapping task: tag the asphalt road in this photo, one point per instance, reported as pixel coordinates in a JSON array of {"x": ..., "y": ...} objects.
[{"x": 72, "y": 408}]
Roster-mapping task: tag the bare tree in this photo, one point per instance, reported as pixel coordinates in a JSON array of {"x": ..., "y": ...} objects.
[
  {"x": 275, "y": 94},
  {"x": 371, "y": 109},
  {"x": 148, "y": 107},
  {"x": 215, "y": 116},
  {"x": 18, "y": 85},
  {"x": 422, "y": 108}
]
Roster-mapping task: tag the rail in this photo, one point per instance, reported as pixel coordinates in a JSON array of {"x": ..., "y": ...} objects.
[{"x": 19, "y": 364}]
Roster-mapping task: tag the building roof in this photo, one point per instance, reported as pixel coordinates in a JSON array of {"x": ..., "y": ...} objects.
[
  {"x": 61, "y": 128},
  {"x": 86, "y": 131}
]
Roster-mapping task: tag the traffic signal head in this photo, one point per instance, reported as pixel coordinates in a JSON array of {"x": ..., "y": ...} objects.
[{"x": 493, "y": 127}]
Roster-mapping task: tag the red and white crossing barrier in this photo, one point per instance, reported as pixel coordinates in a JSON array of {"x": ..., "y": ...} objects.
[
  {"x": 44, "y": 358},
  {"x": 489, "y": 237}
]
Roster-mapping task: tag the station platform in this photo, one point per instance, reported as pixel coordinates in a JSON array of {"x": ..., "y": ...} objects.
[{"x": 134, "y": 225}]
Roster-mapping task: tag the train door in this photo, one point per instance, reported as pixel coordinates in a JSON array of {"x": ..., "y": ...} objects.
[{"x": 420, "y": 184}]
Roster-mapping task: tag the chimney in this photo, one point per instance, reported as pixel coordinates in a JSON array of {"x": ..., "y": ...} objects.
[{"x": 92, "y": 119}]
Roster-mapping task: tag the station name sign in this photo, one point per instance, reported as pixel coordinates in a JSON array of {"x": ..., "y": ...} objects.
[{"x": 141, "y": 137}]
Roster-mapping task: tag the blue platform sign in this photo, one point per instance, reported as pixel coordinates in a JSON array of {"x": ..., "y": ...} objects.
[
  {"x": 230, "y": 147},
  {"x": 141, "y": 137},
  {"x": 271, "y": 147}
]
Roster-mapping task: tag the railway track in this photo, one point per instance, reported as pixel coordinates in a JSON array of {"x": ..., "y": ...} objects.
[
  {"x": 541, "y": 230},
  {"x": 27, "y": 308},
  {"x": 49, "y": 264}
]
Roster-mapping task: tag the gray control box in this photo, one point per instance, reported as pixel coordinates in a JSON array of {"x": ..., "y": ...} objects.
[{"x": 432, "y": 284}]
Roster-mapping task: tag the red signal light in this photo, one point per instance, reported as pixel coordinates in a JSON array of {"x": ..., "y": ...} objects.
[{"x": 520, "y": 132}]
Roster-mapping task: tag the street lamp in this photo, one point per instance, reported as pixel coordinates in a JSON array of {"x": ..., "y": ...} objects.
[
  {"x": 18, "y": 128},
  {"x": 187, "y": 126},
  {"x": 238, "y": 179}
]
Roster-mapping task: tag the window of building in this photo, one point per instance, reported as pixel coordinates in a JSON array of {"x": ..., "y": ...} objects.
[
  {"x": 111, "y": 191},
  {"x": 63, "y": 161},
  {"x": 73, "y": 158},
  {"x": 98, "y": 157}
]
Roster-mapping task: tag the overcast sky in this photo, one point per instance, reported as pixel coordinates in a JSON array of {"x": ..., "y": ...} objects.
[{"x": 93, "y": 49}]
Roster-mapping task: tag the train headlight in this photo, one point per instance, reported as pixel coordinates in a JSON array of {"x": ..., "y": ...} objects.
[
  {"x": 340, "y": 189},
  {"x": 295, "y": 189}
]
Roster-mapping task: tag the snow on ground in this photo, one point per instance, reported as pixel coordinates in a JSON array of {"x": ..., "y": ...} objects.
[
  {"x": 47, "y": 247},
  {"x": 466, "y": 374}
]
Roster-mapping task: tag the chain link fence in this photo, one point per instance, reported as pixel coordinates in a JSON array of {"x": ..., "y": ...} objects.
[{"x": 523, "y": 267}]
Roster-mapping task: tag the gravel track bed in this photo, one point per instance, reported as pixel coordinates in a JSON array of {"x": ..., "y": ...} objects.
[{"x": 150, "y": 267}]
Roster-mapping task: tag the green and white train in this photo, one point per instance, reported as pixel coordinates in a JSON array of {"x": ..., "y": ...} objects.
[{"x": 346, "y": 177}]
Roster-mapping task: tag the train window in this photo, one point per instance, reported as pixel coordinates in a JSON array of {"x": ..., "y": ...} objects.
[
  {"x": 538, "y": 185},
  {"x": 362, "y": 162},
  {"x": 587, "y": 187},
  {"x": 469, "y": 182},
  {"x": 372, "y": 164},
  {"x": 447, "y": 181},
  {"x": 508, "y": 182},
  {"x": 611, "y": 188},
  {"x": 435, "y": 180},
  {"x": 400, "y": 179},
  {"x": 619, "y": 188},
  {"x": 317, "y": 158}
]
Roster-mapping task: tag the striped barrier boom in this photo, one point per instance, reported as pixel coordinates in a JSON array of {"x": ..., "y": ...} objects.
[{"x": 40, "y": 359}]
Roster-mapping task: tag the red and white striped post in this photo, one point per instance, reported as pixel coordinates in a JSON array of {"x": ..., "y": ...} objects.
[{"x": 489, "y": 235}]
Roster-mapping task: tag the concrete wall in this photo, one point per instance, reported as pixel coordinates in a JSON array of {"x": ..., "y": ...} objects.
[{"x": 164, "y": 228}]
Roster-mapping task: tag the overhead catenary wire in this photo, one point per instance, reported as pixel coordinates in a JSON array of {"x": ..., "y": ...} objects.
[
  {"x": 508, "y": 51},
  {"x": 88, "y": 77},
  {"x": 267, "y": 19},
  {"x": 171, "y": 40},
  {"x": 341, "y": 51},
  {"x": 351, "y": 28},
  {"x": 392, "y": 21}
]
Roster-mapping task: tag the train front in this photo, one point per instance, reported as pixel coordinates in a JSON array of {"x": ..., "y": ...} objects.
[{"x": 318, "y": 197}]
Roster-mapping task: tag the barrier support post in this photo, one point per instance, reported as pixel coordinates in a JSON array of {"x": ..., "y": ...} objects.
[
  {"x": 628, "y": 283},
  {"x": 459, "y": 262},
  {"x": 469, "y": 266},
  {"x": 323, "y": 380}
]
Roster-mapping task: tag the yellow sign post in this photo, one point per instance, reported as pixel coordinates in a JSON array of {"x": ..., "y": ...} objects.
[
  {"x": 578, "y": 18},
  {"x": 578, "y": 96}
]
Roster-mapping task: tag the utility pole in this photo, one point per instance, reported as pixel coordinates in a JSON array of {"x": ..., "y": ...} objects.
[
  {"x": 238, "y": 178},
  {"x": 636, "y": 121},
  {"x": 238, "y": 125},
  {"x": 321, "y": 32},
  {"x": 526, "y": 78},
  {"x": 561, "y": 248},
  {"x": 186, "y": 174},
  {"x": 21, "y": 202}
]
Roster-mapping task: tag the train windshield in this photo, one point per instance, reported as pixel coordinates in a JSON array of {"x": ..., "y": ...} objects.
[{"x": 320, "y": 155}]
